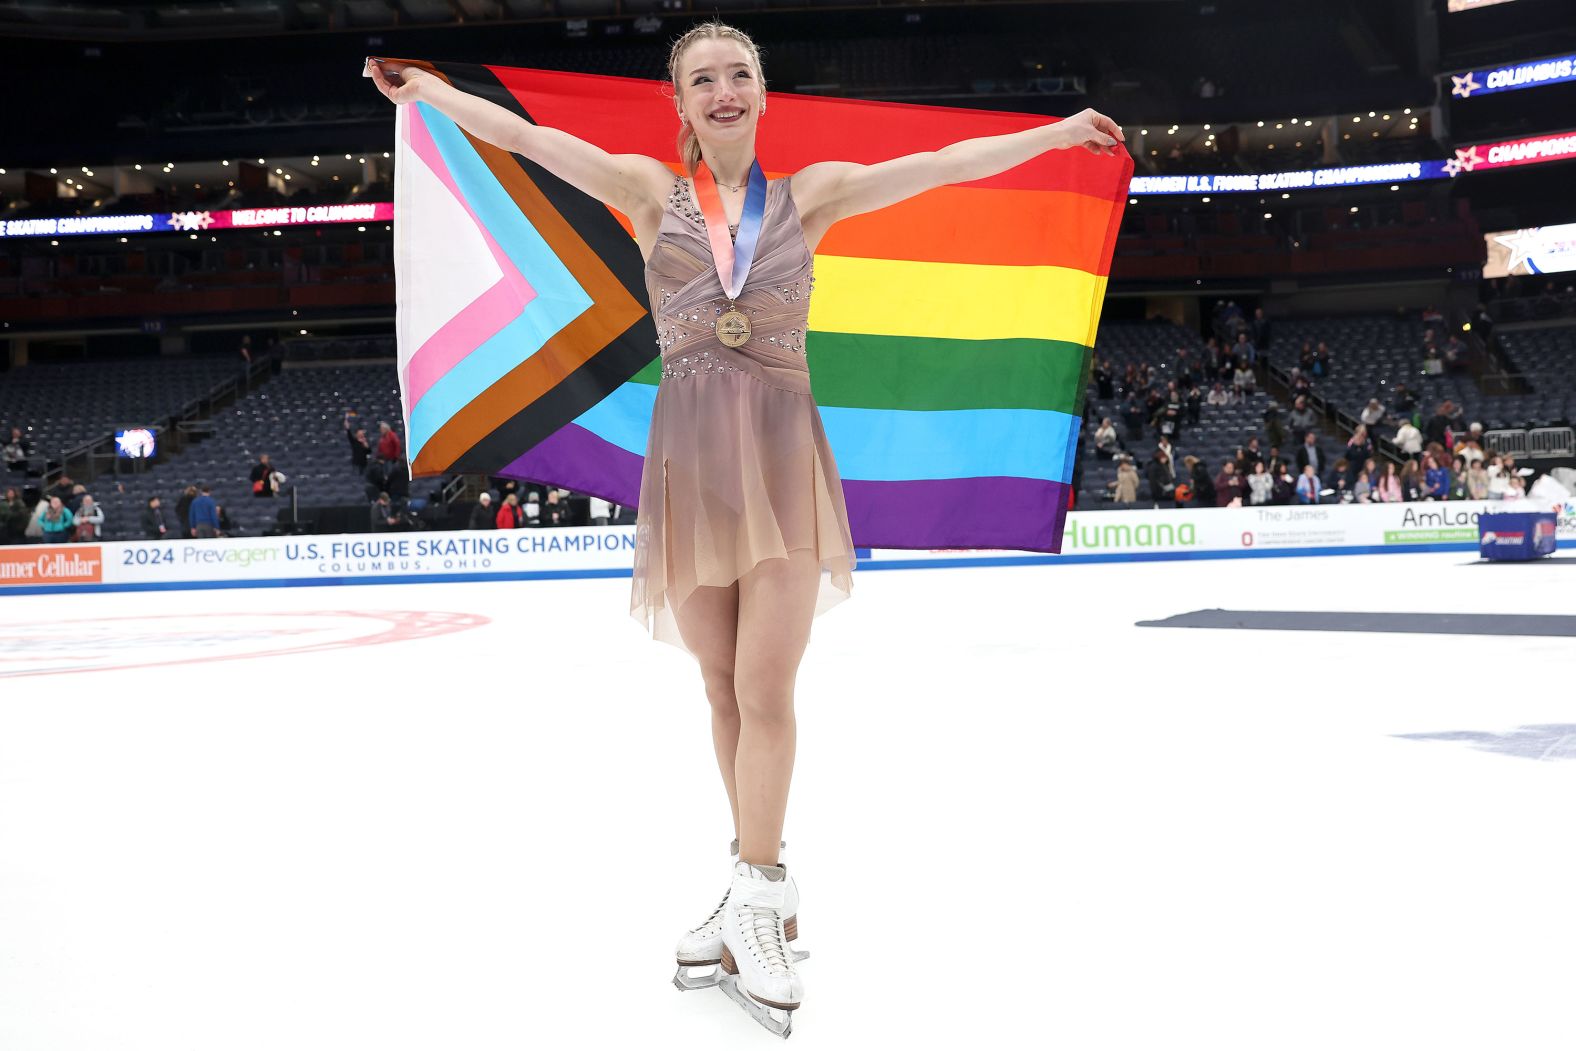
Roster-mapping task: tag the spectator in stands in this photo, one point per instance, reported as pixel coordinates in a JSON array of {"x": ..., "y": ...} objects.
[
  {"x": 1387, "y": 489},
  {"x": 1251, "y": 454},
  {"x": 1102, "y": 379},
  {"x": 1372, "y": 414},
  {"x": 1261, "y": 486},
  {"x": 1436, "y": 430},
  {"x": 1243, "y": 381},
  {"x": 1165, "y": 446},
  {"x": 1194, "y": 488},
  {"x": 1246, "y": 353},
  {"x": 263, "y": 481},
  {"x": 1125, "y": 488},
  {"x": 183, "y": 508},
  {"x": 1411, "y": 482},
  {"x": 1455, "y": 353},
  {"x": 1106, "y": 444},
  {"x": 1195, "y": 404},
  {"x": 1274, "y": 429},
  {"x": 57, "y": 521},
  {"x": 246, "y": 350},
  {"x": 1302, "y": 418},
  {"x": 62, "y": 488},
  {"x": 1472, "y": 445},
  {"x": 1338, "y": 472},
  {"x": 1162, "y": 482},
  {"x": 15, "y": 451},
  {"x": 14, "y": 515},
  {"x": 1516, "y": 488},
  {"x": 1362, "y": 488},
  {"x": 389, "y": 445},
  {"x": 1133, "y": 417},
  {"x": 1359, "y": 448},
  {"x": 1310, "y": 455},
  {"x": 1228, "y": 486},
  {"x": 154, "y": 526},
  {"x": 226, "y": 526},
  {"x": 533, "y": 509},
  {"x": 556, "y": 511},
  {"x": 397, "y": 481},
  {"x": 1433, "y": 364},
  {"x": 89, "y": 521},
  {"x": 1323, "y": 364},
  {"x": 482, "y": 515},
  {"x": 1458, "y": 479},
  {"x": 1403, "y": 400},
  {"x": 1283, "y": 490},
  {"x": 1308, "y": 486},
  {"x": 1477, "y": 481},
  {"x": 360, "y": 448},
  {"x": 1409, "y": 439},
  {"x": 601, "y": 511},
  {"x": 1259, "y": 330},
  {"x": 385, "y": 518},
  {"x": 203, "y": 515},
  {"x": 510, "y": 516},
  {"x": 1218, "y": 396}
]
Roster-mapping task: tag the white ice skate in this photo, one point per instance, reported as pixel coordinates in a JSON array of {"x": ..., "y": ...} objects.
[
  {"x": 758, "y": 966},
  {"x": 700, "y": 950}
]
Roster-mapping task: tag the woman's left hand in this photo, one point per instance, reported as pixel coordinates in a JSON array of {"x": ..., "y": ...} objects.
[{"x": 1092, "y": 130}]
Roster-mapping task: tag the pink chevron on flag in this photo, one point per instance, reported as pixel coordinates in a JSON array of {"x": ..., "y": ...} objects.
[{"x": 470, "y": 326}]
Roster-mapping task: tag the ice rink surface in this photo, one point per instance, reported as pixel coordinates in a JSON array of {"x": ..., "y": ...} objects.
[{"x": 479, "y": 816}]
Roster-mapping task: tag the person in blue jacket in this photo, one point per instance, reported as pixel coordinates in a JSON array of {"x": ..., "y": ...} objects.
[{"x": 203, "y": 516}]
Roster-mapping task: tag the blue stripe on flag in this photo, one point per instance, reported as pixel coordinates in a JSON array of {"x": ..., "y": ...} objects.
[{"x": 901, "y": 445}]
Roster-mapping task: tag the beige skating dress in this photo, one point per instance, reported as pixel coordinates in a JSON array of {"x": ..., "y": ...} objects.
[{"x": 737, "y": 468}]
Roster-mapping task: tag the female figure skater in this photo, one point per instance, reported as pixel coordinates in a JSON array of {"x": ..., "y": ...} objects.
[{"x": 742, "y": 535}]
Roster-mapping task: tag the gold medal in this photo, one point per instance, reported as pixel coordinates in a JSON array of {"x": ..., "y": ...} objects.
[{"x": 733, "y": 328}]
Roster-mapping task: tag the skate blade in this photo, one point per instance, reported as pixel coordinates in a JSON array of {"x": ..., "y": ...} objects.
[
  {"x": 691, "y": 977},
  {"x": 774, "y": 1020}
]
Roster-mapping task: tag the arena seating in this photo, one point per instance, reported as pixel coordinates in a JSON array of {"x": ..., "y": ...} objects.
[
  {"x": 63, "y": 405},
  {"x": 1221, "y": 428},
  {"x": 297, "y": 419}
]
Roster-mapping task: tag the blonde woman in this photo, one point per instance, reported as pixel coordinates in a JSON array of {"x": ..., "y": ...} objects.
[{"x": 742, "y": 535}]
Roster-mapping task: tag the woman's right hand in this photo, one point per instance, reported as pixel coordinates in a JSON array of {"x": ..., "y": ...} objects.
[{"x": 402, "y": 84}]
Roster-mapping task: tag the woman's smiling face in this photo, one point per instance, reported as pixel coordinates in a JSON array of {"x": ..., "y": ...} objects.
[{"x": 717, "y": 78}]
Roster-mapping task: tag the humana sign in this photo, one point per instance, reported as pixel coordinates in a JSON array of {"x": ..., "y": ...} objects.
[{"x": 1092, "y": 536}]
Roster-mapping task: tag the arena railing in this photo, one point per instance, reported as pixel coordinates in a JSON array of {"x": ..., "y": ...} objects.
[{"x": 1551, "y": 442}]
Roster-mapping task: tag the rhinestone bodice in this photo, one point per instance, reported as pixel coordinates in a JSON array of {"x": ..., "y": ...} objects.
[{"x": 687, "y": 296}]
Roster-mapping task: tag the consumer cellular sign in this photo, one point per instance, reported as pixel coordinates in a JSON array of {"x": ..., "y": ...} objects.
[{"x": 200, "y": 222}]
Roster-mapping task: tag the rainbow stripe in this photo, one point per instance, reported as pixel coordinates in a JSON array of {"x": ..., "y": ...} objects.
[{"x": 950, "y": 334}]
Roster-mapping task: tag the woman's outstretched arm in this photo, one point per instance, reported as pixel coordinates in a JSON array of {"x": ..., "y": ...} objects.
[
  {"x": 625, "y": 181},
  {"x": 842, "y": 188}
]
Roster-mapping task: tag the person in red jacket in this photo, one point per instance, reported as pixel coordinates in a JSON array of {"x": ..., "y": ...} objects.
[
  {"x": 389, "y": 445},
  {"x": 509, "y": 514}
]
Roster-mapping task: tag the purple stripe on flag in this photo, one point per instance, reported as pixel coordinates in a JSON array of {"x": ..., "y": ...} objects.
[
  {"x": 574, "y": 458},
  {"x": 991, "y": 512},
  {"x": 925, "y": 513}
]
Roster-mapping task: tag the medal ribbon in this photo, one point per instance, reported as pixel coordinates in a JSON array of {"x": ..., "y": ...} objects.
[{"x": 733, "y": 258}]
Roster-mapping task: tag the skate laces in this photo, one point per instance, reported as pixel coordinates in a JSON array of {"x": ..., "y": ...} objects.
[
  {"x": 715, "y": 919},
  {"x": 763, "y": 925}
]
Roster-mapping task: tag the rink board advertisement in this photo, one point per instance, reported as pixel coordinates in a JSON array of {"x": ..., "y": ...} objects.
[{"x": 608, "y": 551}]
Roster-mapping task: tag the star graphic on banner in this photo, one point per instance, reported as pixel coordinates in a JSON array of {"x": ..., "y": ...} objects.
[
  {"x": 1452, "y": 168},
  {"x": 190, "y": 220},
  {"x": 1521, "y": 243},
  {"x": 1463, "y": 86},
  {"x": 1468, "y": 158}
]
